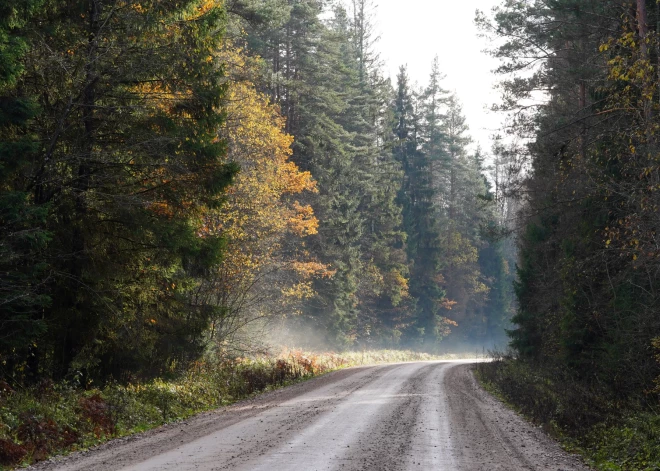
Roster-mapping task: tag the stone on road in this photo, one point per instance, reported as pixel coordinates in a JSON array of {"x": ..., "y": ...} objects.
[{"x": 409, "y": 416}]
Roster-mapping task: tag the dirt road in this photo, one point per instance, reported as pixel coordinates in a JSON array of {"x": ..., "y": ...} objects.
[{"x": 413, "y": 416}]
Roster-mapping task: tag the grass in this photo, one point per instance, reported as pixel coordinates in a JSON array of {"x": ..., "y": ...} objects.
[
  {"x": 54, "y": 418},
  {"x": 611, "y": 435}
]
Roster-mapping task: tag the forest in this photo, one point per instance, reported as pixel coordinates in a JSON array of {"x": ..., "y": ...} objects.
[
  {"x": 580, "y": 87},
  {"x": 189, "y": 181},
  {"x": 179, "y": 177}
]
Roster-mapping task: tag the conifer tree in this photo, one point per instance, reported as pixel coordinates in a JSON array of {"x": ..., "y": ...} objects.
[
  {"x": 420, "y": 218},
  {"x": 587, "y": 271},
  {"x": 129, "y": 156},
  {"x": 325, "y": 78},
  {"x": 23, "y": 236}
]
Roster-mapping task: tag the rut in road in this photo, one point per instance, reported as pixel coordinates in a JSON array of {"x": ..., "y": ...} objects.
[{"x": 412, "y": 416}]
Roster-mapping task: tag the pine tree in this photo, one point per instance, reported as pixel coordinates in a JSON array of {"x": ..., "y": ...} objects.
[
  {"x": 587, "y": 266},
  {"x": 325, "y": 77}
]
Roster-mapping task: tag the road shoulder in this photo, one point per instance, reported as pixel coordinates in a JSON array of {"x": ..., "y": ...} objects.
[{"x": 490, "y": 433}]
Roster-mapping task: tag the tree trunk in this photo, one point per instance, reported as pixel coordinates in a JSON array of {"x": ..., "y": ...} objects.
[
  {"x": 642, "y": 30},
  {"x": 642, "y": 27}
]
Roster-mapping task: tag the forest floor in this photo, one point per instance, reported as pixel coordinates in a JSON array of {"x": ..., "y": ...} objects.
[{"x": 422, "y": 415}]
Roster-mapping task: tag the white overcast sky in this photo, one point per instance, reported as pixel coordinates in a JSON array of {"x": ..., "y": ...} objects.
[{"x": 414, "y": 31}]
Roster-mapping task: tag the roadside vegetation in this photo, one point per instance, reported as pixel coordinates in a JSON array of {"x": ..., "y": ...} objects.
[
  {"x": 51, "y": 418},
  {"x": 613, "y": 434},
  {"x": 581, "y": 86}
]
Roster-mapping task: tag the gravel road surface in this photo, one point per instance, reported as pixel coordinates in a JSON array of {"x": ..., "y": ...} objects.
[{"x": 410, "y": 416}]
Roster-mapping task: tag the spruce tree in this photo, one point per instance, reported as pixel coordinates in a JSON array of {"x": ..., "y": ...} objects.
[
  {"x": 129, "y": 157},
  {"x": 23, "y": 235},
  {"x": 419, "y": 217}
]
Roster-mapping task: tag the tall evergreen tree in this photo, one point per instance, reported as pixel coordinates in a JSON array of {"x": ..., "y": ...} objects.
[
  {"x": 324, "y": 76},
  {"x": 128, "y": 156},
  {"x": 587, "y": 271},
  {"x": 23, "y": 236},
  {"x": 420, "y": 218}
]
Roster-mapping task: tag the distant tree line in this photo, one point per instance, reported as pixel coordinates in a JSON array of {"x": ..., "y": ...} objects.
[{"x": 172, "y": 173}]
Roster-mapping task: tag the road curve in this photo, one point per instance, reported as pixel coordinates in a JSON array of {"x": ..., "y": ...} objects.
[{"x": 409, "y": 416}]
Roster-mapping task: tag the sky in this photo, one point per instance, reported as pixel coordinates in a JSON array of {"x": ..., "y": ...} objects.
[{"x": 412, "y": 32}]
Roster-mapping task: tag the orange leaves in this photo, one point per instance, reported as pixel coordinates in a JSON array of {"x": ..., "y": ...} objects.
[
  {"x": 303, "y": 222},
  {"x": 260, "y": 215},
  {"x": 448, "y": 304},
  {"x": 443, "y": 326},
  {"x": 161, "y": 209},
  {"x": 439, "y": 279},
  {"x": 308, "y": 269}
]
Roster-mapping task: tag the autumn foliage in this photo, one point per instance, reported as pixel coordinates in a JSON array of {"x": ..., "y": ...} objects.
[{"x": 261, "y": 220}]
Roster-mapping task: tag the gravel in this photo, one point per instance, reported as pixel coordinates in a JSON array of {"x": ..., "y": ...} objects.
[{"x": 408, "y": 416}]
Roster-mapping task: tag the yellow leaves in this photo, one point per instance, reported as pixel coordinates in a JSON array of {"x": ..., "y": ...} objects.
[
  {"x": 159, "y": 96},
  {"x": 207, "y": 5},
  {"x": 303, "y": 222},
  {"x": 302, "y": 290},
  {"x": 397, "y": 286},
  {"x": 461, "y": 251},
  {"x": 260, "y": 216},
  {"x": 480, "y": 288},
  {"x": 655, "y": 343},
  {"x": 202, "y": 8},
  {"x": 293, "y": 181},
  {"x": 400, "y": 281},
  {"x": 257, "y": 142},
  {"x": 308, "y": 269},
  {"x": 648, "y": 171}
]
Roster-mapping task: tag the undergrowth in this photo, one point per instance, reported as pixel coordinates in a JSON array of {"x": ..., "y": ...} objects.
[
  {"x": 611, "y": 434},
  {"x": 52, "y": 418}
]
